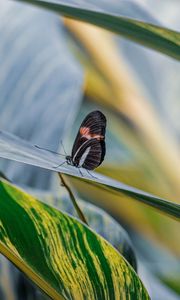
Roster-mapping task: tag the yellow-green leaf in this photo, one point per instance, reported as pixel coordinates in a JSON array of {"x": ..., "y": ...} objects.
[{"x": 61, "y": 255}]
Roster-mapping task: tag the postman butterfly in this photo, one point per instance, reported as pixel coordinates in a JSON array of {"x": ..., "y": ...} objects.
[{"x": 89, "y": 147}]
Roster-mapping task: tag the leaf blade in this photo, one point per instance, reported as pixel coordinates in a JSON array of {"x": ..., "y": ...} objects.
[
  {"x": 14, "y": 148},
  {"x": 158, "y": 38},
  {"x": 76, "y": 262},
  {"x": 99, "y": 220}
]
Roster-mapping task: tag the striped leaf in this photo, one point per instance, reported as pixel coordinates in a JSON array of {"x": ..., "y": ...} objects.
[
  {"x": 98, "y": 220},
  {"x": 14, "y": 148},
  {"x": 152, "y": 36},
  {"x": 61, "y": 255}
]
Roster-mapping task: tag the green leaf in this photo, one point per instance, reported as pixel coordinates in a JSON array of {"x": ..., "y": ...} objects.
[
  {"x": 61, "y": 255},
  {"x": 14, "y": 148},
  {"x": 152, "y": 36},
  {"x": 97, "y": 219}
]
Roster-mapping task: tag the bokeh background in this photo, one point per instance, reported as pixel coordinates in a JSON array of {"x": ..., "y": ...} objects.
[{"x": 53, "y": 71}]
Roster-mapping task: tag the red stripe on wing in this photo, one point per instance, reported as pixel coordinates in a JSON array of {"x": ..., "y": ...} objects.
[{"x": 85, "y": 132}]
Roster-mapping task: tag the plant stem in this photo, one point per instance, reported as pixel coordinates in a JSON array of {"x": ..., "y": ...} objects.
[{"x": 76, "y": 206}]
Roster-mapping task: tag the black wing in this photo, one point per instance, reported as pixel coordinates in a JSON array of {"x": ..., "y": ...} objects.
[{"x": 89, "y": 147}]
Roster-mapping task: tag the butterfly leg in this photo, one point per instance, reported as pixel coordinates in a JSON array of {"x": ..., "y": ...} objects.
[
  {"x": 91, "y": 174},
  {"x": 80, "y": 172},
  {"x": 60, "y": 165}
]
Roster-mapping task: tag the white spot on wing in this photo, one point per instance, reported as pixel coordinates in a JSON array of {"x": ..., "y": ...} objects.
[{"x": 83, "y": 158}]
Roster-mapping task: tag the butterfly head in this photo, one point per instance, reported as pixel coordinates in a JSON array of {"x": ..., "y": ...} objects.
[{"x": 69, "y": 160}]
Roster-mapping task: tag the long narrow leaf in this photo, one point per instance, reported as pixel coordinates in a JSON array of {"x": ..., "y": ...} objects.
[
  {"x": 152, "y": 36},
  {"x": 14, "y": 148},
  {"x": 61, "y": 255},
  {"x": 99, "y": 220}
]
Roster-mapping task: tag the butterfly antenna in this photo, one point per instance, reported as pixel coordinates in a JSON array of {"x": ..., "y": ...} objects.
[
  {"x": 63, "y": 147},
  {"x": 48, "y": 150}
]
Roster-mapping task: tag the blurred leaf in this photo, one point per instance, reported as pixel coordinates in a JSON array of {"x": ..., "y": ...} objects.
[
  {"x": 33, "y": 88},
  {"x": 155, "y": 37},
  {"x": 158, "y": 289},
  {"x": 160, "y": 262},
  {"x": 62, "y": 256},
  {"x": 172, "y": 282},
  {"x": 14, "y": 148}
]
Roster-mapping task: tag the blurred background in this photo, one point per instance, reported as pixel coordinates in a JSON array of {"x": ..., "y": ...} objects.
[{"x": 53, "y": 71}]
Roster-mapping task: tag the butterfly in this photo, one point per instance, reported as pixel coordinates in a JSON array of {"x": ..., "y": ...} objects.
[{"x": 89, "y": 147}]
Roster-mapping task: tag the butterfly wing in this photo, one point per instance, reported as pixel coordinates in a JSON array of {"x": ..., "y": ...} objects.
[{"x": 89, "y": 147}]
